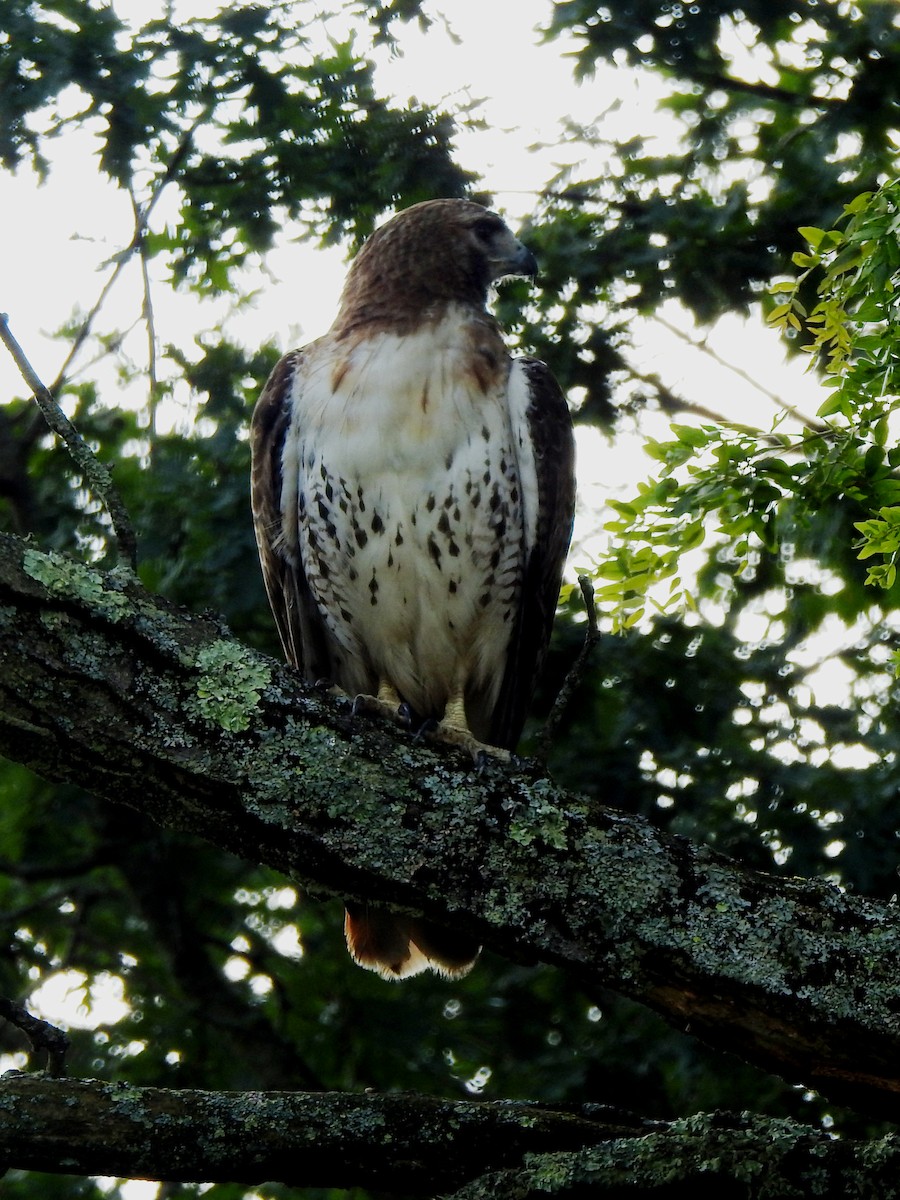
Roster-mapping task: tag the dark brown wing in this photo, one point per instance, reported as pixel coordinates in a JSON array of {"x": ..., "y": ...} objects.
[
  {"x": 548, "y": 431},
  {"x": 296, "y": 615}
]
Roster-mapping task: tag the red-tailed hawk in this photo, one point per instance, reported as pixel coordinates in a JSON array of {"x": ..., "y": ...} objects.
[{"x": 413, "y": 495}]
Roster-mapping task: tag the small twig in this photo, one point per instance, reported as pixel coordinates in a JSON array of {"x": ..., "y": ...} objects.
[
  {"x": 41, "y": 1034},
  {"x": 576, "y": 672},
  {"x": 142, "y": 219},
  {"x": 86, "y": 326},
  {"x": 671, "y": 404},
  {"x": 96, "y": 476},
  {"x": 705, "y": 348},
  {"x": 147, "y": 314}
]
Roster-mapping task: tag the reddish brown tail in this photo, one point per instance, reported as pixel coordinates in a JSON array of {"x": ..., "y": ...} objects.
[{"x": 397, "y": 946}]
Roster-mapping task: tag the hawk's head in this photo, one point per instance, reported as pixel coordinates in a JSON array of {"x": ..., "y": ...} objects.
[{"x": 431, "y": 254}]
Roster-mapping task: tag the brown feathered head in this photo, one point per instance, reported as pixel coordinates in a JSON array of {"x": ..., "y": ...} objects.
[{"x": 429, "y": 255}]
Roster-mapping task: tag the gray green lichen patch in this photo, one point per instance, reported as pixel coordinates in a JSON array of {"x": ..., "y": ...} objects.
[
  {"x": 66, "y": 577},
  {"x": 538, "y": 818},
  {"x": 231, "y": 681}
]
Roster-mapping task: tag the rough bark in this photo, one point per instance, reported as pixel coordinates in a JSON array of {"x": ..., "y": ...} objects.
[
  {"x": 86, "y": 1127},
  {"x": 105, "y": 685},
  {"x": 706, "y": 1157},
  {"x": 415, "y": 1145}
]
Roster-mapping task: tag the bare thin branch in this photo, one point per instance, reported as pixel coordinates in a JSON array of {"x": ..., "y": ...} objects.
[
  {"x": 767, "y": 91},
  {"x": 147, "y": 315},
  {"x": 575, "y": 674},
  {"x": 704, "y": 347},
  {"x": 88, "y": 323},
  {"x": 672, "y": 404},
  {"x": 142, "y": 218},
  {"x": 96, "y": 476}
]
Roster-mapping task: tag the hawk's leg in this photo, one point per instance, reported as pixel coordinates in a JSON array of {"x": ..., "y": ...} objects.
[
  {"x": 386, "y": 704},
  {"x": 454, "y": 729}
]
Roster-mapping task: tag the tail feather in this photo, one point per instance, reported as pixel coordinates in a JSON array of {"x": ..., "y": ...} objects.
[{"x": 398, "y": 947}]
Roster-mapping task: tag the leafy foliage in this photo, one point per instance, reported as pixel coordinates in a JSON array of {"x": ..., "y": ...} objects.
[
  {"x": 295, "y": 126},
  {"x": 761, "y": 495},
  {"x": 781, "y": 113},
  {"x": 854, "y": 331},
  {"x": 742, "y": 528}
]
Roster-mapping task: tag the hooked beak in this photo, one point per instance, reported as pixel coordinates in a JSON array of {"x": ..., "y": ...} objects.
[
  {"x": 526, "y": 263},
  {"x": 517, "y": 260}
]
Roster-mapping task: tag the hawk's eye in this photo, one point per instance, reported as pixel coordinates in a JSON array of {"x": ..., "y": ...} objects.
[{"x": 487, "y": 228}]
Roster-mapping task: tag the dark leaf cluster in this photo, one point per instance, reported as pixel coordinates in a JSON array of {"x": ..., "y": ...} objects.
[{"x": 304, "y": 136}]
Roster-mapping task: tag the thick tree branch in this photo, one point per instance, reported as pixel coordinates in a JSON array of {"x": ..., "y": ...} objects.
[
  {"x": 712, "y": 1155},
  {"x": 105, "y": 685},
  {"x": 416, "y": 1145},
  {"x": 324, "y": 1139}
]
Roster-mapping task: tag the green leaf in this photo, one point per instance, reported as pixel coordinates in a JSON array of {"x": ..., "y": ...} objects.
[
  {"x": 834, "y": 404},
  {"x": 691, "y": 435},
  {"x": 858, "y": 204},
  {"x": 813, "y": 235}
]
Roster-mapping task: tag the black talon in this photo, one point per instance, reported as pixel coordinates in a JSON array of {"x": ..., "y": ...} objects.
[
  {"x": 429, "y": 726},
  {"x": 484, "y": 760}
]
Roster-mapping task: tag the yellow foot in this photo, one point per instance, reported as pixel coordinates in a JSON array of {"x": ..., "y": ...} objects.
[
  {"x": 386, "y": 704},
  {"x": 454, "y": 735},
  {"x": 454, "y": 730},
  {"x": 330, "y": 689}
]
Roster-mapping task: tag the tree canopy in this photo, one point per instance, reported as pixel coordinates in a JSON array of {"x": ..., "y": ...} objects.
[{"x": 176, "y": 851}]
